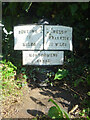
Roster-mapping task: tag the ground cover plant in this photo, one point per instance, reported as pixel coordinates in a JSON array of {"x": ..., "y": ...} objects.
[{"x": 8, "y": 83}]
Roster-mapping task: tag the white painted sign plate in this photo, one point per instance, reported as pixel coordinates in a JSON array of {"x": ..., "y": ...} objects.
[
  {"x": 28, "y": 37},
  {"x": 57, "y": 37},
  {"x": 43, "y": 57}
]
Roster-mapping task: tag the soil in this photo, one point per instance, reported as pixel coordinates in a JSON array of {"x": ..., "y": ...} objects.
[{"x": 35, "y": 101}]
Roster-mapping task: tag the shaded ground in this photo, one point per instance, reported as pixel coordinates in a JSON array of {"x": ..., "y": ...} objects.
[{"x": 35, "y": 101}]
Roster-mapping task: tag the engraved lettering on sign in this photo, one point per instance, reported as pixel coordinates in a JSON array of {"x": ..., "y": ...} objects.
[
  {"x": 44, "y": 61},
  {"x": 43, "y": 57},
  {"x": 28, "y": 37},
  {"x": 29, "y": 44},
  {"x": 59, "y": 31},
  {"x": 29, "y": 31},
  {"x": 26, "y": 31},
  {"x": 57, "y": 37}
]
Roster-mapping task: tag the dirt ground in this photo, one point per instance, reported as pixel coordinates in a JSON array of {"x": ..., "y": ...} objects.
[{"x": 35, "y": 101}]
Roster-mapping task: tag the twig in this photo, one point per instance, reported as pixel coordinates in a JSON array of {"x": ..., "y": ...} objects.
[
  {"x": 74, "y": 91},
  {"x": 74, "y": 109}
]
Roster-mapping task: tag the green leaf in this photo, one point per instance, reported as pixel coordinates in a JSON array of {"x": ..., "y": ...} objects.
[
  {"x": 67, "y": 115},
  {"x": 61, "y": 74},
  {"x": 53, "y": 112},
  {"x": 12, "y": 7},
  {"x": 5, "y": 82},
  {"x": 59, "y": 109},
  {"x": 23, "y": 69},
  {"x": 10, "y": 69},
  {"x": 88, "y": 118},
  {"x": 73, "y": 8},
  {"x": 0, "y": 86},
  {"x": 28, "y": 7},
  {"x": 84, "y": 6},
  {"x": 24, "y": 76},
  {"x": 88, "y": 93},
  {"x": 76, "y": 82},
  {"x": 88, "y": 80},
  {"x": 84, "y": 110},
  {"x": 11, "y": 65}
]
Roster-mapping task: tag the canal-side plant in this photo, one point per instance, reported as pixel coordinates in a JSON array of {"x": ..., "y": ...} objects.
[{"x": 56, "y": 112}]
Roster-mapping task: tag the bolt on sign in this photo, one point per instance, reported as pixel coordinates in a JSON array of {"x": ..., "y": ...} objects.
[{"x": 44, "y": 43}]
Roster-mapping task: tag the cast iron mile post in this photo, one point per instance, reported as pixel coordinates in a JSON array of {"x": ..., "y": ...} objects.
[{"x": 43, "y": 46}]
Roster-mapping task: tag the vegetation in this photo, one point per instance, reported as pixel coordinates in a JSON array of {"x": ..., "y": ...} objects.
[
  {"x": 75, "y": 71},
  {"x": 9, "y": 85},
  {"x": 55, "y": 112}
]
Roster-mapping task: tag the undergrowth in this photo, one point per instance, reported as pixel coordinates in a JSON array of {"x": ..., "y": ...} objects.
[{"x": 9, "y": 85}]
